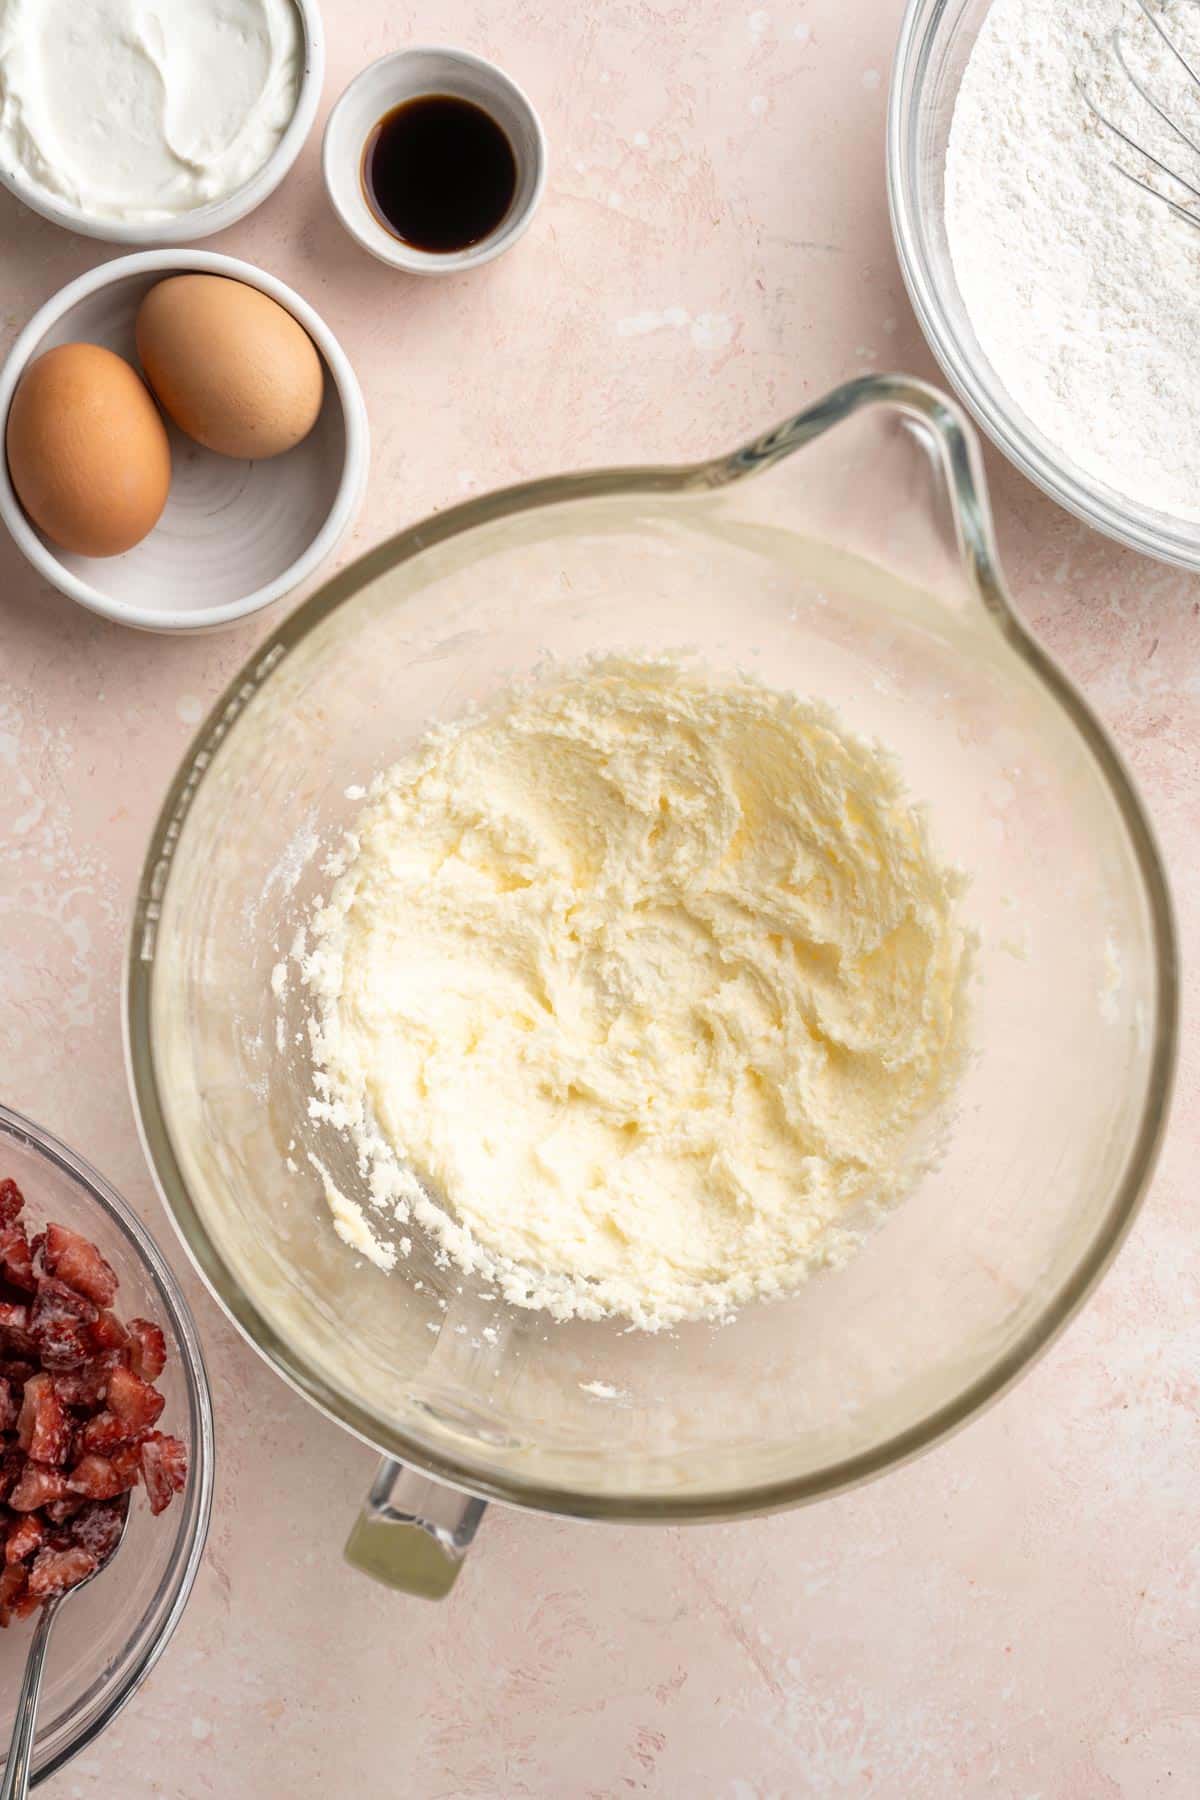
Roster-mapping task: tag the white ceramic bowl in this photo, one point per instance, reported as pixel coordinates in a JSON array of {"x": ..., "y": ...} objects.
[
  {"x": 404, "y": 76},
  {"x": 201, "y": 221},
  {"x": 234, "y": 536}
]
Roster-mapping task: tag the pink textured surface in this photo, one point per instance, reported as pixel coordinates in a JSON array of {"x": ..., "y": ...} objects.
[{"x": 1019, "y": 1612}]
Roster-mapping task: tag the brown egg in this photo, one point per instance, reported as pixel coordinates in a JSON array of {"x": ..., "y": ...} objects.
[
  {"x": 87, "y": 450},
  {"x": 232, "y": 368}
]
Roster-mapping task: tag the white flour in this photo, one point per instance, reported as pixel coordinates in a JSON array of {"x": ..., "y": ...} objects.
[{"x": 1084, "y": 292}]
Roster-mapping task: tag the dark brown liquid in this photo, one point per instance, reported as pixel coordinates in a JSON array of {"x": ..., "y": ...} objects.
[{"x": 439, "y": 173}]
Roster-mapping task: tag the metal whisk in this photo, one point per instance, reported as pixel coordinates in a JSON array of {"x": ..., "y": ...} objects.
[{"x": 1139, "y": 87}]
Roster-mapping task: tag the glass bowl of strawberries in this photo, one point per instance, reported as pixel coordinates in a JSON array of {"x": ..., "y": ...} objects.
[{"x": 104, "y": 1405}]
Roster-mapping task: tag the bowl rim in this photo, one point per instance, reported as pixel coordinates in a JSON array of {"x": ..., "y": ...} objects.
[
  {"x": 961, "y": 464},
  {"x": 346, "y": 499},
  {"x": 1125, "y": 521},
  {"x": 15, "y": 1125},
  {"x": 199, "y": 221},
  {"x": 510, "y": 230}
]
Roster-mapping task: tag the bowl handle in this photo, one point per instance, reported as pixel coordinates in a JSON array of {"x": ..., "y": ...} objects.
[
  {"x": 413, "y": 1533},
  {"x": 863, "y": 483}
]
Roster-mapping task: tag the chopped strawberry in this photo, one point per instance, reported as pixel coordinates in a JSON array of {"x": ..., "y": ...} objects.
[
  {"x": 149, "y": 1349},
  {"x": 25, "y": 1535},
  {"x": 79, "y": 1264},
  {"x": 12, "y": 1585},
  {"x": 164, "y": 1469},
  {"x": 134, "y": 1401},
  {"x": 87, "y": 1387},
  {"x": 99, "y": 1525},
  {"x": 55, "y": 1297},
  {"x": 77, "y": 1407},
  {"x": 96, "y": 1478},
  {"x": 36, "y": 1487},
  {"x": 54, "y": 1571},
  {"x": 14, "y": 1320},
  {"x": 58, "y": 1325},
  {"x": 26, "y": 1414},
  {"x": 127, "y": 1461},
  {"x": 16, "y": 1259},
  {"x": 104, "y": 1432},
  {"x": 108, "y": 1333},
  {"x": 12, "y": 1462},
  {"x": 12, "y": 1201},
  {"x": 59, "y": 1511},
  {"x": 43, "y": 1429}
]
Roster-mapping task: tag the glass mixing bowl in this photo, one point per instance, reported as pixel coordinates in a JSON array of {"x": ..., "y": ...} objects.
[
  {"x": 847, "y": 555},
  {"x": 936, "y": 40},
  {"x": 110, "y": 1635}
]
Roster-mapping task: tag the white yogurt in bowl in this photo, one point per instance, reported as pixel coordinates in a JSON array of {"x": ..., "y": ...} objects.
[{"x": 162, "y": 120}]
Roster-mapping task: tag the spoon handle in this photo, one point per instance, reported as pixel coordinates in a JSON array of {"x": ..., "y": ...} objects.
[{"x": 18, "y": 1766}]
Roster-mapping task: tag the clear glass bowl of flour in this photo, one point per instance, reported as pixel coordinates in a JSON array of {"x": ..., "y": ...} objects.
[
  {"x": 846, "y": 555},
  {"x": 937, "y": 38}
]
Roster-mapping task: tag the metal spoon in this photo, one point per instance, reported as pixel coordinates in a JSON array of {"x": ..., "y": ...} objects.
[{"x": 18, "y": 1767}]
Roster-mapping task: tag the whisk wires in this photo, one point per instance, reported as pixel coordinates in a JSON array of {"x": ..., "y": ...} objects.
[{"x": 1160, "y": 112}]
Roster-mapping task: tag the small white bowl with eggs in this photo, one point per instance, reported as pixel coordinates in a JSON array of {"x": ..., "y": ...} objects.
[{"x": 236, "y": 533}]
